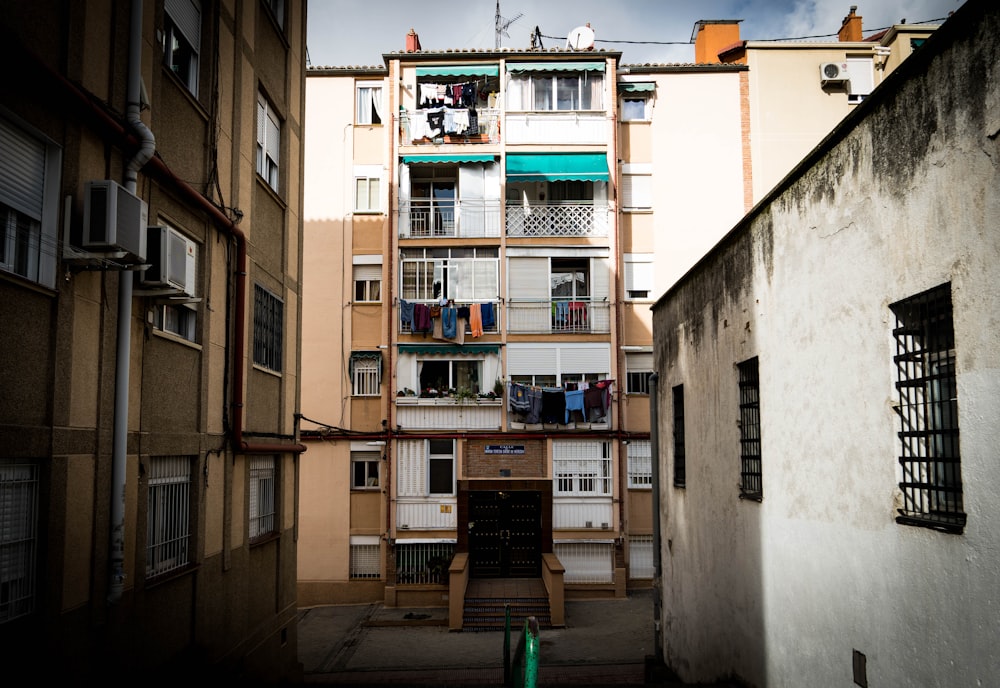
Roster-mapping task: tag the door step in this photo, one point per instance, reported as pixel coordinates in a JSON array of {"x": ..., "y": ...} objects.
[{"x": 489, "y": 614}]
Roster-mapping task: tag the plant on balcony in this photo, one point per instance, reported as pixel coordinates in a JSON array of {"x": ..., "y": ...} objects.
[
  {"x": 463, "y": 394},
  {"x": 498, "y": 388}
]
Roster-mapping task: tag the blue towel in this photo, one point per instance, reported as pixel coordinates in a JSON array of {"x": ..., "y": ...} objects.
[
  {"x": 406, "y": 312},
  {"x": 449, "y": 322},
  {"x": 486, "y": 313}
]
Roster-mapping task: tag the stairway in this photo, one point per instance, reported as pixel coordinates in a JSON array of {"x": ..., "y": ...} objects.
[{"x": 485, "y": 600}]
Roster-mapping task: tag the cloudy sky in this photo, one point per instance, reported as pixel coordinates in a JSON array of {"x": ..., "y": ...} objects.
[{"x": 344, "y": 33}]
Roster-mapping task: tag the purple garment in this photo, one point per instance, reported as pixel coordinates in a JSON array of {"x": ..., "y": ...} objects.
[{"x": 421, "y": 318}]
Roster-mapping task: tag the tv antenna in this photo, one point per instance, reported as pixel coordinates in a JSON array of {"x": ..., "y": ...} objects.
[{"x": 502, "y": 24}]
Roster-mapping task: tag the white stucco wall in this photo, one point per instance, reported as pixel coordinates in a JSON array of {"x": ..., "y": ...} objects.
[{"x": 781, "y": 592}]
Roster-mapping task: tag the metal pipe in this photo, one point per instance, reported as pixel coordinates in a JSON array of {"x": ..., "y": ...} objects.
[{"x": 654, "y": 447}]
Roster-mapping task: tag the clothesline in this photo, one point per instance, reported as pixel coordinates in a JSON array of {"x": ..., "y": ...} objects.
[{"x": 556, "y": 404}]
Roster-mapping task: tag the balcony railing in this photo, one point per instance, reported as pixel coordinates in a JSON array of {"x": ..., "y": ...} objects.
[
  {"x": 488, "y": 328},
  {"x": 575, "y": 127},
  {"x": 465, "y": 219},
  {"x": 557, "y": 219},
  {"x": 526, "y": 316},
  {"x": 413, "y": 128},
  {"x": 415, "y": 413}
]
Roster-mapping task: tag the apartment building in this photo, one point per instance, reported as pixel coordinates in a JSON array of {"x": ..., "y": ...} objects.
[
  {"x": 828, "y": 385},
  {"x": 150, "y": 250},
  {"x": 486, "y": 231}
]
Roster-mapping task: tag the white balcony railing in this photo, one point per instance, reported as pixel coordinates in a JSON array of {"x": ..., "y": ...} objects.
[
  {"x": 557, "y": 127},
  {"x": 420, "y": 219},
  {"x": 415, "y": 413},
  {"x": 558, "y": 317},
  {"x": 557, "y": 219},
  {"x": 417, "y": 513},
  {"x": 583, "y": 512}
]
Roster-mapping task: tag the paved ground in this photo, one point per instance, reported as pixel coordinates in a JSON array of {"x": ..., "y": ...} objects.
[{"x": 604, "y": 643}]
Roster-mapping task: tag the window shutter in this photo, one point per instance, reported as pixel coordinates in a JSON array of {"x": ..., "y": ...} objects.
[
  {"x": 637, "y": 190},
  {"x": 528, "y": 278},
  {"x": 186, "y": 14},
  {"x": 600, "y": 278},
  {"x": 367, "y": 272},
  {"x": 639, "y": 362},
  {"x": 585, "y": 359},
  {"x": 530, "y": 360},
  {"x": 862, "y": 81},
  {"x": 410, "y": 469},
  {"x": 273, "y": 137},
  {"x": 22, "y": 171},
  {"x": 638, "y": 273}
]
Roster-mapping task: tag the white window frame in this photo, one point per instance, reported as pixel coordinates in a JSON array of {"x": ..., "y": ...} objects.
[
  {"x": 168, "y": 514},
  {"x": 523, "y": 86},
  {"x": 367, "y": 282},
  {"x": 182, "y": 31},
  {"x": 365, "y": 557},
  {"x": 441, "y": 457},
  {"x": 861, "y": 81},
  {"x": 177, "y": 319},
  {"x": 637, "y": 187},
  {"x": 640, "y": 363},
  {"x": 640, "y": 464},
  {"x": 268, "y": 142},
  {"x": 367, "y": 190},
  {"x": 639, "y": 276},
  {"x": 481, "y": 274},
  {"x": 18, "y": 537},
  {"x": 582, "y": 468},
  {"x": 30, "y": 171},
  {"x": 370, "y": 460},
  {"x": 366, "y": 377},
  {"x": 626, "y": 111},
  {"x": 262, "y": 489},
  {"x": 368, "y": 109}
]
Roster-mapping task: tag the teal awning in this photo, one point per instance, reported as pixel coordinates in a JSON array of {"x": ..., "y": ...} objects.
[
  {"x": 556, "y": 67},
  {"x": 550, "y": 167},
  {"x": 470, "y": 157},
  {"x": 449, "y": 349},
  {"x": 635, "y": 86},
  {"x": 460, "y": 70}
]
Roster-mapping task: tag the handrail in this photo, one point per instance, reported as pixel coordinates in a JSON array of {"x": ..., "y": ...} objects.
[{"x": 521, "y": 671}]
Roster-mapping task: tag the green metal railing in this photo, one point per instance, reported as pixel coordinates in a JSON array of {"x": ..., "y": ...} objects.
[{"x": 521, "y": 670}]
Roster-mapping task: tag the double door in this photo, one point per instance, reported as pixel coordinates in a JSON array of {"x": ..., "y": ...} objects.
[{"x": 505, "y": 539}]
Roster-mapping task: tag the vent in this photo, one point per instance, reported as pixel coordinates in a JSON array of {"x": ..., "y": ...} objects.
[
  {"x": 114, "y": 220},
  {"x": 172, "y": 259},
  {"x": 833, "y": 72}
]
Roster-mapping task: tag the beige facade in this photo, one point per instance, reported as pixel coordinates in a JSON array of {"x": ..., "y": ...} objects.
[{"x": 151, "y": 354}]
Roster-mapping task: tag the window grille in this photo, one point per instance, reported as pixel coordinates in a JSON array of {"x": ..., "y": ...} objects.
[
  {"x": 640, "y": 464},
  {"x": 586, "y": 562},
  {"x": 365, "y": 560},
  {"x": 364, "y": 470},
  {"x": 268, "y": 142},
  {"x": 168, "y": 518},
  {"x": 18, "y": 538},
  {"x": 751, "y": 479},
  {"x": 268, "y": 326},
  {"x": 640, "y": 556},
  {"x": 366, "y": 374},
  {"x": 423, "y": 563},
  {"x": 582, "y": 468},
  {"x": 680, "y": 460},
  {"x": 262, "y": 496},
  {"x": 929, "y": 457}
]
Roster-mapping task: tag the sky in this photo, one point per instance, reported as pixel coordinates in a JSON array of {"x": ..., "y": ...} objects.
[{"x": 344, "y": 33}]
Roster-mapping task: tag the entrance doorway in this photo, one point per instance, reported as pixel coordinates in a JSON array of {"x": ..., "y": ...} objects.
[{"x": 505, "y": 534}]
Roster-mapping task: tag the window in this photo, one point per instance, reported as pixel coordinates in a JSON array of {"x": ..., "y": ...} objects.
[
  {"x": 369, "y": 99},
  {"x": 462, "y": 274},
  {"x": 441, "y": 467},
  {"x": 439, "y": 375},
  {"x": 638, "y": 275},
  {"x": 565, "y": 91},
  {"x": 366, "y": 373},
  {"x": 268, "y": 327},
  {"x": 582, "y": 468},
  {"x": 640, "y": 464},
  {"x": 367, "y": 283},
  {"x": 751, "y": 485},
  {"x": 634, "y": 109},
  {"x": 639, "y": 368},
  {"x": 367, "y": 189},
  {"x": 423, "y": 562},
  {"x": 640, "y": 557},
  {"x": 931, "y": 476},
  {"x": 182, "y": 40},
  {"x": 637, "y": 186},
  {"x": 365, "y": 557},
  {"x": 364, "y": 470},
  {"x": 277, "y": 8},
  {"x": 168, "y": 514},
  {"x": 680, "y": 460},
  {"x": 268, "y": 141},
  {"x": 177, "y": 319},
  {"x": 18, "y": 537},
  {"x": 862, "y": 79},
  {"x": 29, "y": 203},
  {"x": 262, "y": 496}
]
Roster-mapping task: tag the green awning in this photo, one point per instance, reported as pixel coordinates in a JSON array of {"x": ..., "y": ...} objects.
[
  {"x": 556, "y": 67},
  {"x": 460, "y": 70},
  {"x": 365, "y": 356},
  {"x": 469, "y": 157},
  {"x": 449, "y": 349},
  {"x": 636, "y": 86},
  {"x": 550, "y": 167}
]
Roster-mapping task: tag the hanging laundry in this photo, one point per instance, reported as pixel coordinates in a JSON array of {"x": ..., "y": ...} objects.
[
  {"x": 469, "y": 94},
  {"x": 460, "y": 121},
  {"x": 593, "y": 403},
  {"x": 449, "y": 322},
  {"x": 489, "y": 321},
  {"x": 476, "y": 320},
  {"x": 553, "y": 405},
  {"x": 406, "y": 313},
  {"x": 517, "y": 398},
  {"x": 421, "y": 318},
  {"x": 428, "y": 95},
  {"x": 435, "y": 123},
  {"x": 574, "y": 402},
  {"x": 535, "y": 405},
  {"x": 472, "y": 128}
]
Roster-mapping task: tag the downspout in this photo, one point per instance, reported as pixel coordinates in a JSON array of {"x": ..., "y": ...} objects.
[
  {"x": 654, "y": 447},
  {"x": 119, "y": 451}
]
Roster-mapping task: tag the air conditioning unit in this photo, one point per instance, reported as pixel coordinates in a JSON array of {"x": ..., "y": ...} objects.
[
  {"x": 172, "y": 259},
  {"x": 833, "y": 72},
  {"x": 114, "y": 220}
]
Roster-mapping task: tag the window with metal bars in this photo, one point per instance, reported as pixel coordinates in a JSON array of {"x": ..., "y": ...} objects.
[
  {"x": 262, "y": 496},
  {"x": 168, "y": 514},
  {"x": 929, "y": 459},
  {"x": 751, "y": 479},
  {"x": 18, "y": 537},
  {"x": 268, "y": 329},
  {"x": 365, "y": 561},
  {"x": 366, "y": 373},
  {"x": 424, "y": 562},
  {"x": 680, "y": 461},
  {"x": 640, "y": 464},
  {"x": 582, "y": 468}
]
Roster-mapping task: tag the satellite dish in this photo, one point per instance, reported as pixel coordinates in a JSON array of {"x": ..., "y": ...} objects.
[{"x": 580, "y": 38}]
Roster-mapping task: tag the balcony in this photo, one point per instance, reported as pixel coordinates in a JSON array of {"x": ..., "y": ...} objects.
[
  {"x": 562, "y": 127},
  {"x": 529, "y": 316},
  {"x": 557, "y": 220},
  {"x": 448, "y": 413},
  {"x": 490, "y": 325},
  {"x": 420, "y": 219},
  {"x": 413, "y": 128}
]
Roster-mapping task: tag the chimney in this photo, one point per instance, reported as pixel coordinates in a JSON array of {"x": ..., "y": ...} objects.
[
  {"x": 412, "y": 42},
  {"x": 711, "y": 36},
  {"x": 850, "y": 30}
]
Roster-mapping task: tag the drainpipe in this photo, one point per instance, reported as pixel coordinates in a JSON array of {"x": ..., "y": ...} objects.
[{"x": 654, "y": 446}]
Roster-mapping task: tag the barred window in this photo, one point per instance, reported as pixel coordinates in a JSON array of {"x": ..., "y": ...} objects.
[
  {"x": 18, "y": 537},
  {"x": 582, "y": 468},
  {"x": 366, "y": 373},
  {"x": 640, "y": 557},
  {"x": 168, "y": 514},
  {"x": 365, "y": 561},
  {"x": 262, "y": 496},
  {"x": 638, "y": 370},
  {"x": 640, "y": 464},
  {"x": 931, "y": 477},
  {"x": 424, "y": 562},
  {"x": 680, "y": 460},
  {"x": 268, "y": 329},
  {"x": 751, "y": 479}
]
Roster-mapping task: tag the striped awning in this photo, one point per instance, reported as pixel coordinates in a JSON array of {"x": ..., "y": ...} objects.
[
  {"x": 548, "y": 167},
  {"x": 468, "y": 157},
  {"x": 449, "y": 349},
  {"x": 460, "y": 70},
  {"x": 556, "y": 67},
  {"x": 636, "y": 86}
]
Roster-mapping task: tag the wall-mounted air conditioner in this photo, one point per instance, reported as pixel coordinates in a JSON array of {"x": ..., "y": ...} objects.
[
  {"x": 172, "y": 259},
  {"x": 114, "y": 220},
  {"x": 833, "y": 72}
]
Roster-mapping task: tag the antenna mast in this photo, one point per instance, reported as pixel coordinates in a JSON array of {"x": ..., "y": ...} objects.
[{"x": 502, "y": 24}]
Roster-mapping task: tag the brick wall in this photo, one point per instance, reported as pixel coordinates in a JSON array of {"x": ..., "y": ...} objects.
[{"x": 531, "y": 464}]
